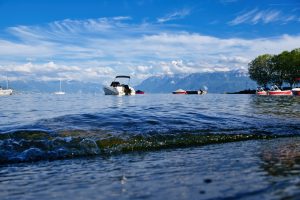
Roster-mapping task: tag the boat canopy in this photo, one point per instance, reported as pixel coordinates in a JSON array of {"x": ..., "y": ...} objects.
[{"x": 122, "y": 76}]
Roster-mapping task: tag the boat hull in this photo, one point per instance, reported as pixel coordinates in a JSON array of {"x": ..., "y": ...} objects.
[
  {"x": 281, "y": 93},
  {"x": 109, "y": 90},
  {"x": 179, "y": 92},
  {"x": 59, "y": 93},
  {"x": 262, "y": 93},
  {"x": 200, "y": 92},
  {"x": 6, "y": 92}
]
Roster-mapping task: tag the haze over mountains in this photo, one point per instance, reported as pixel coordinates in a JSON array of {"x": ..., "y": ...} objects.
[{"x": 214, "y": 82}]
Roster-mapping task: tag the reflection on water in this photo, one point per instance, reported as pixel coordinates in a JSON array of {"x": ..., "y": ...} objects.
[{"x": 284, "y": 106}]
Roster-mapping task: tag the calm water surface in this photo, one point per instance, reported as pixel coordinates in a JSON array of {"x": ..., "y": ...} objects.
[{"x": 149, "y": 146}]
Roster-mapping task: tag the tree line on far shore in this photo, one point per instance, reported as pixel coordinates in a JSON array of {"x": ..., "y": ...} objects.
[{"x": 276, "y": 69}]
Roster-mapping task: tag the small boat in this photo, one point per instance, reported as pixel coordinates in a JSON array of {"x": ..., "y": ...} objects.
[
  {"x": 116, "y": 88},
  {"x": 7, "y": 91},
  {"x": 139, "y": 92},
  {"x": 179, "y": 91},
  {"x": 275, "y": 91},
  {"x": 60, "y": 92},
  {"x": 296, "y": 91},
  {"x": 261, "y": 91}
]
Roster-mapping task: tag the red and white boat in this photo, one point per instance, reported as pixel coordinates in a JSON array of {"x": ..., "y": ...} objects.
[
  {"x": 275, "y": 91},
  {"x": 261, "y": 91},
  {"x": 179, "y": 91},
  {"x": 296, "y": 91}
]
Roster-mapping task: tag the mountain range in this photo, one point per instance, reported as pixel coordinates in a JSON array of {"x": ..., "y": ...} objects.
[{"x": 214, "y": 82}]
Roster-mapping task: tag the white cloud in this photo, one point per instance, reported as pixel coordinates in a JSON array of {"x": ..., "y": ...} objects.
[
  {"x": 256, "y": 16},
  {"x": 143, "y": 69},
  {"x": 179, "y": 14},
  {"x": 102, "y": 48},
  {"x": 9, "y": 48}
]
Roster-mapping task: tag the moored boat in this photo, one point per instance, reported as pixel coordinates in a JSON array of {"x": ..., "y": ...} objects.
[
  {"x": 275, "y": 91},
  {"x": 7, "y": 91},
  {"x": 296, "y": 91},
  {"x": 139, "y": 92},
  {"x": 179, "y": 91},
  {"x": 60, "y": 92},
  {"x": 200, "y": 92},
  {"x": 261, "y": 91},
  {"x": 116, "y": 88}
]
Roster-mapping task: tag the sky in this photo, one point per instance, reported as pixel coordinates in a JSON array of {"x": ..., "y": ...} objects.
[{"x": 95, "y": 40}]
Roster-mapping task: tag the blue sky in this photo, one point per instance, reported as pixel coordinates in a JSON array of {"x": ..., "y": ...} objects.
[{"x": 95, "y": 40}]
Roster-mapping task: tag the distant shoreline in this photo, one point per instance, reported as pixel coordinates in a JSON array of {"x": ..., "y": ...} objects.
[{"x": 242, "y": 92}]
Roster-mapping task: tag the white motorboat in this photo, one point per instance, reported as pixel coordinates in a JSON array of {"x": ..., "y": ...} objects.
[
  {"x": 60, "y": 92},
  {"x": 118, "y": 88}
]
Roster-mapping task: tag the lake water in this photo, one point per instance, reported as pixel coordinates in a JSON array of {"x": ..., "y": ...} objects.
[{"x": 152, "y": 146}]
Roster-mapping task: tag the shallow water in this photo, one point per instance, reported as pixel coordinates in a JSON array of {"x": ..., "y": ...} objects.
[
  {"x": 149, "y": 146},
  {"x": 249, "y": 170}
]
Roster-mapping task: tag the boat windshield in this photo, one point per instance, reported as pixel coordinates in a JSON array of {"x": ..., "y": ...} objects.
[
  {"x": 274, "y": 87},
  {"x": 118, "y": 82},
  {"x": 115, "y": 84},
  {"x": 260, "y": 89}
]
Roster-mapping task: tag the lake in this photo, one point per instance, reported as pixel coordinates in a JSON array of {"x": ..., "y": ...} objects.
[{"x": 152, "y": 146}]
